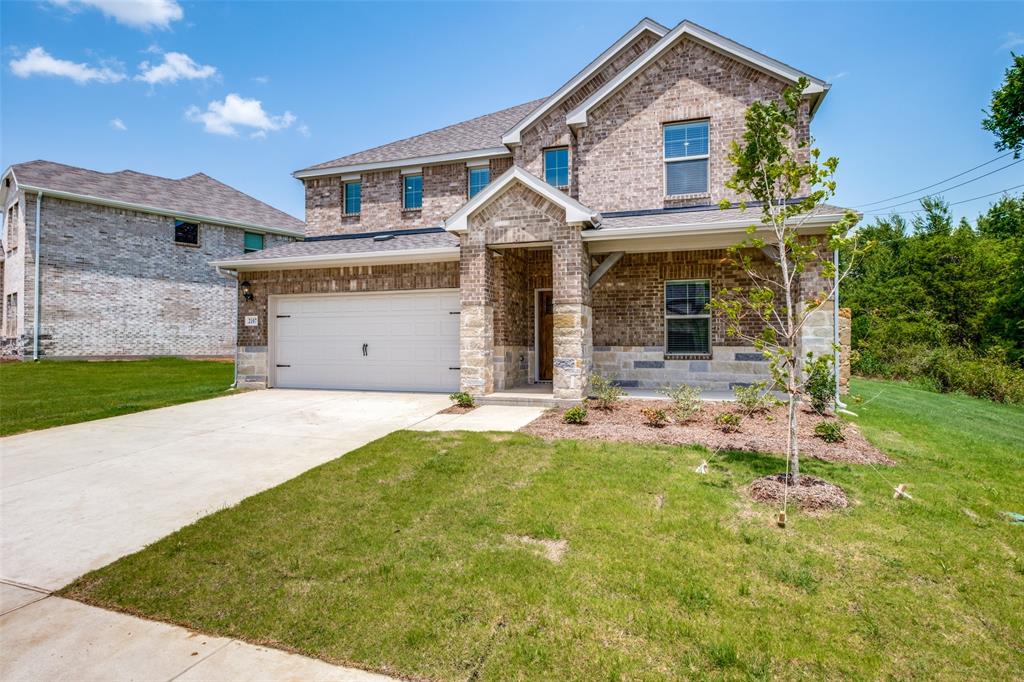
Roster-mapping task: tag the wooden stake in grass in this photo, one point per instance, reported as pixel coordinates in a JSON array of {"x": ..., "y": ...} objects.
[
  {"x": 781, "y": 521},
  {"x": 702, "y": 468},
  {"x": 901, "y": 492}
]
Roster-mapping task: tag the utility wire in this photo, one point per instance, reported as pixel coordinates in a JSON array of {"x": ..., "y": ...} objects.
[
  {"x": 900, "y": 196},
  {"x": 935, "y": 194},
  {"x": 962, "y": 201}
]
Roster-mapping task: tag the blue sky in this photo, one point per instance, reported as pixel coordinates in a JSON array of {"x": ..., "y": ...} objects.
[{"x": 250, "y": 91}]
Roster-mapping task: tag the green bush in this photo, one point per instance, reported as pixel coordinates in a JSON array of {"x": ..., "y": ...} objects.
[
  {"x": 605, "y": 390},
  {"x": 820, "y": 383},
  {"x": 686, "y": 402},
  {"x": 830, "y": 431},
  {"x": 577, "y": 414},
  {"x": 754, "y": 398},
  {"x": 654, "y": 417},
  {"x": 461, "y": 399},
  {"x": 729, "y": 421}
]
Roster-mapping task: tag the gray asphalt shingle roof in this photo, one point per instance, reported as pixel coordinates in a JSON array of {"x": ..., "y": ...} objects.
[
  {"x": 197, "y": 194},
  {"x": 483, "y": 132},
  {"x": 401, "y": 241}
]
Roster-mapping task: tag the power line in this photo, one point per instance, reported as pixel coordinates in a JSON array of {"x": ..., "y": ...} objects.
[
  {"x": 915, "y": 191},
  {"x": 962, "y": 201},
  {"x": 935, "y": 194}
]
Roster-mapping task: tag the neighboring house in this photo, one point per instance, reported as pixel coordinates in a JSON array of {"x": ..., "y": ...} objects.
[
  {"x": 574, "y": 233},
  {"x": 123, "y": 261}
]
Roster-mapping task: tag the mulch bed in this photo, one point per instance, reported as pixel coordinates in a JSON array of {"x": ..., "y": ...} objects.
[
  {"x": 457, "y": 409},
  {"x": 764, "y": 432},
  {"x": 811, "y": 493}
]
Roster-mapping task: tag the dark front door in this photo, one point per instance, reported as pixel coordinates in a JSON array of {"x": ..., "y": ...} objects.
[{"x": 545, "y": 337}]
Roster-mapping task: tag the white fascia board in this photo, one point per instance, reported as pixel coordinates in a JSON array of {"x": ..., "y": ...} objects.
[
  {"x": 608, "y": 233},
  {"x": 144, "y": 208},
  {"x": 514, "y": 135},
  {"x": 575, "y": 212},
  {"x": 578, "y": 116},
  {"x": 437, "y": 254},
  {"x": 488, "y": 153}
]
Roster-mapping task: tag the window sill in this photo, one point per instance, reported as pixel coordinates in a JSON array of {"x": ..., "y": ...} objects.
[
  {"x": 691, "y": 356},
  {"x": 350, "y": 215},
  {"x": 686, "y": 197},
  {"x": 191, "y": 246},
  {"x": 412, "y": 211}
]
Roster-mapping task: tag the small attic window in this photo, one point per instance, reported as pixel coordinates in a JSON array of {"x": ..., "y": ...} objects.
[{"x": 186, "y": 233}]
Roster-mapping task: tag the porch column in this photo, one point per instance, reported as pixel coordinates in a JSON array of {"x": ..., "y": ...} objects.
[
  {"x": 476, "y": 320},
  {"x": 817, "y": 334},
  {"x": 572, "y": 319}
]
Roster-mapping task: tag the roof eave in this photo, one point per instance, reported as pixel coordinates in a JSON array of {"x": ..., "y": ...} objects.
[
  {"x": 740, "y": 226},
  {"x": 145, "y": 208},
  {"x": 428, "y": 255},
  {"x": 468, "y": 155}
]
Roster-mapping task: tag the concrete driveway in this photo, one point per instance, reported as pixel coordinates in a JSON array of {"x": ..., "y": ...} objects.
[{"x": 75, "y": 498}]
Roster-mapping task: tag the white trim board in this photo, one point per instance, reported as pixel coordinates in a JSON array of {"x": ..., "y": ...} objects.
[
  {"x": 817, "y": 88},
  {"x": 437, "y": 254},
  {"x": 514, "y": 135}
]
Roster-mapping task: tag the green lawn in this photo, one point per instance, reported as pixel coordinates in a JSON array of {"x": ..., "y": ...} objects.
[
  {"x": 401, "y": 557},
  {"x": 51, "y": 393}
]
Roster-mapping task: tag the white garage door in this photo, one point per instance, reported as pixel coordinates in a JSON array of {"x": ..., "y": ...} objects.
[{"x": 393, "y": 341}]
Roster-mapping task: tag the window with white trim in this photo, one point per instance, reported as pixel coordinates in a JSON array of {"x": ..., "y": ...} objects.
[
  {"x": 353, "y": 197},
  {"x": 478, "y": 179},
  {"x": 686, "y": 158},
  {"x": 11, "y": 317},
  {"x": 556, "y": 167},
  {"x": 412, "y": 191},
  {"x": 253, "y": 241},
  {"x": 687, "y": 317},
  {"x": 12, "y": 226}
]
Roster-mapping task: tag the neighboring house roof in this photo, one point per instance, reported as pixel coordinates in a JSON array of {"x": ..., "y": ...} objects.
[
  {"x": 196, "y": 197},
  {"x": 478, "y": 137},
  {"x": 575, "y": 212},
  {"x": 371, "y": 248},
  {"x": 513, "y": 135},
  {"x": 816, "y": 90}
]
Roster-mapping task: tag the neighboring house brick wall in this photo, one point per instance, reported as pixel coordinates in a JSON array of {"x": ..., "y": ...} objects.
[
  {"x": 620, "y": 151},
  {"x": 12, "y": 327}
]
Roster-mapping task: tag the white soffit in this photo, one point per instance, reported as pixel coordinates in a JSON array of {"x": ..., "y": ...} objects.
[
  {"x": 488, "y": 153},
  {"x": 575, "y": 212},
  {"x": 513, "y": 136},
  {"x": 578, "y": 116}
]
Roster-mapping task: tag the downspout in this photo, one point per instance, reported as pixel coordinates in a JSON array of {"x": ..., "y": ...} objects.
[
  {"x": 38, "y": 313},
  {"x": 233, "y": 275}
]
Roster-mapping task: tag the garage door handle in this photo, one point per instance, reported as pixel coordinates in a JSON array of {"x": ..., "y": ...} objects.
[
  {"x": 366, "y": 347},
  {"x": 283, "y": 365},
  {"x": 454, "y": 368}
]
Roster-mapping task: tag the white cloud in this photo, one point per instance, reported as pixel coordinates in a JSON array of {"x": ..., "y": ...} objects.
[
  {"x": 262, "y": 80},
  {"x": 226, "y": 117},
  {"x": 38, "y": 62},
  {"x": 836, "y": 76},
  {"x": 1013, "y": 39},
  {"x": 175, "y": 67},
  {"x": 303, "y": 130},
  {"x": 118, "y": 124},
  {"x": 135, "y": 13}
]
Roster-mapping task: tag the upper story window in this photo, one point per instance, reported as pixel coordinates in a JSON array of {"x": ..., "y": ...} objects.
[
  {"x": 686, "y": 158},
  {"x": 12, "y": 227},
  {"x": 353, "y": 198},
  {"x": 687, "y": 317},
  {"x": 253, "y": 242},
  {"x": 186, "y": 233},
  {"x": 556, "y": 167},
  {"x": 412, "y": 191},
  {"x": 478, "y": 179}
]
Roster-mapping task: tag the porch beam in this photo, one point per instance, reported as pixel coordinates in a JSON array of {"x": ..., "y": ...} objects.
[{"x": 606, "y": 265}]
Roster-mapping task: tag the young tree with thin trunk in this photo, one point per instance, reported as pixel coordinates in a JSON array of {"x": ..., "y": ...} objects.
[{"x": 783, "y": 174}]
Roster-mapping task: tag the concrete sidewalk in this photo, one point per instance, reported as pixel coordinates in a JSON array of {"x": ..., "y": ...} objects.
[
  {"x": 49, "y": 638},
  {"x": 483, "y": 418}
]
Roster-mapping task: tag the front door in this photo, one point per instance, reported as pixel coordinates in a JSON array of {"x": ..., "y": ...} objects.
[{"x": 545, "y": 337}]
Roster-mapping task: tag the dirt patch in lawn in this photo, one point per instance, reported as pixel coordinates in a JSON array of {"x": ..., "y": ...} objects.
[
  {"x": 811, "y": 493},
  {"x": 457, "y": 409},
  {"x": 762, "y": 432},
  {"x": 552, "y": 550}
]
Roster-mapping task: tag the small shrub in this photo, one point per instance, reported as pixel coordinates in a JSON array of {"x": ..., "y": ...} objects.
[
  {"x": 605, "y": 390},
  {"x": 461, "y": 399},
  {"x": 654, "y": 417},
  {"x": 754, "y": 398},
  {"x": 820, "y": 383},
  {"x": 729, "y": 422},
  {"x": 577, "y": 414},
  {"x": 686, "y": 402},
  {"x": 830, "y": 431}
]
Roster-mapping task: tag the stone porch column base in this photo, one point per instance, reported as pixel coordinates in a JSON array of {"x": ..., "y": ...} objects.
[
  {"x": 572, "y": 324},
  {"x": 476, "y": 349}
]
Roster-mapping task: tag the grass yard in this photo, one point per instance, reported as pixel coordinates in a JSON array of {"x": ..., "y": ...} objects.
[
  {"x": 407, "y": 556},
  {"x": 52, "y": 393}
]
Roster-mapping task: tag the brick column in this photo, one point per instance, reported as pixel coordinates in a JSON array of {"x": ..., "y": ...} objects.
[
  {"x": 816, "y": 336},
  {"x": 476, "y": 321},
  {"x": 572, "y": 320}
]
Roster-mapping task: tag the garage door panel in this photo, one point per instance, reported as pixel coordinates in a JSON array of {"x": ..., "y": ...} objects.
[{"x": 411, "y": 341}]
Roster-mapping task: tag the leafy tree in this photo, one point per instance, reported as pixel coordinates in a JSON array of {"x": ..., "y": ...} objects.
[
  {"x": 778, "y": 168},
  {"x": 1006, "y": 118}
]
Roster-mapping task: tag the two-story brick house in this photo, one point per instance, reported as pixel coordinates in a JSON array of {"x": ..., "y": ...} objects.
[
  {"x": 116, "y": 264},
  {"x": 532, "y": 245}
]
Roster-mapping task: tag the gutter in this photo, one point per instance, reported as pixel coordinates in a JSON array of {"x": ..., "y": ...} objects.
[
  {"x": 445, "y": 253},
  {"x": 145, "y": 208},
  {"x": 37, "y": 315},
  {"x": 606, "y": 233}
]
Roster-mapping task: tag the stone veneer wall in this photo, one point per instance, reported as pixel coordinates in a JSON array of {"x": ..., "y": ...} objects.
[
  {"x": 512, "y": 327},
  {"x": 18, "y": 255},
  {"x": 647, "y": 367},
  {"x": 573, "y": 316},
  {"x": 845, "y": 341}
]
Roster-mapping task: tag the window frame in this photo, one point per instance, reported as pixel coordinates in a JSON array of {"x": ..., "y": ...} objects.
[
  {"x": 568, "y": 166},
  {"x": 263, "y": 241},
  {"x": 13, "y": 235},
  {"x": 178, "y": 223},
  {"x": 405, "y": 192},
  {"x": 469, "y": 180},
  {"x": 344, "y": 198},
  {"x": 666, "y": 160},
  {"x": 667, "y": 316}
]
